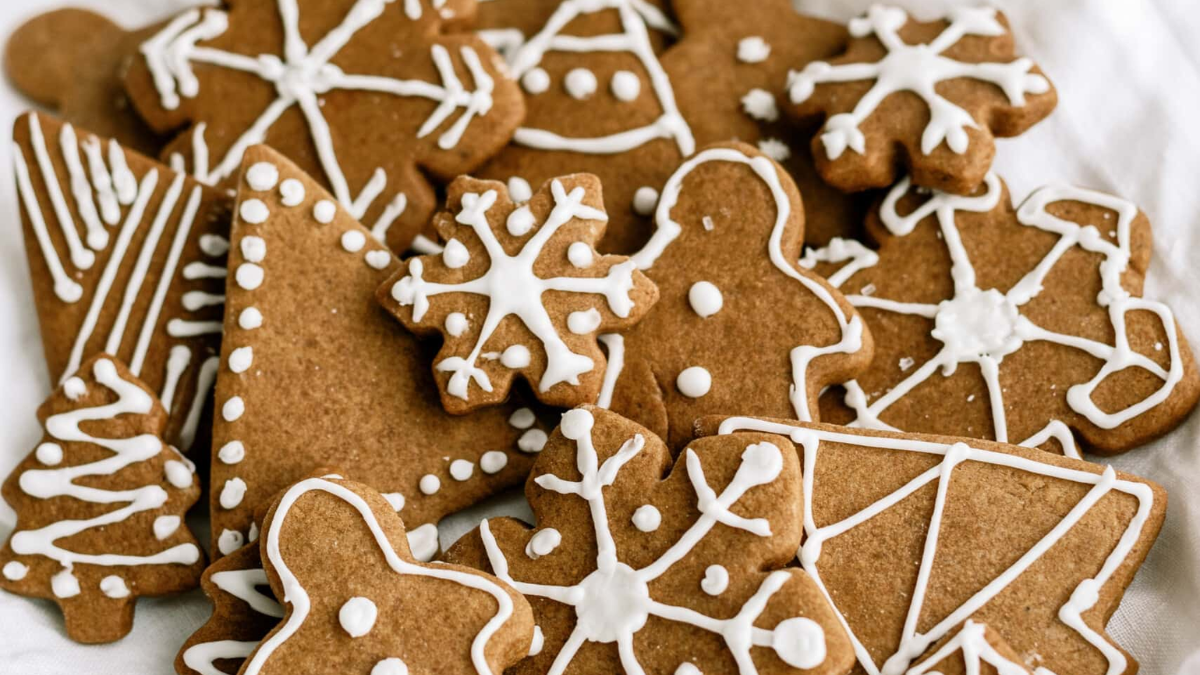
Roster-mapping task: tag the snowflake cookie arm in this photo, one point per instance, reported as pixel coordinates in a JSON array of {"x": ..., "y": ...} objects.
[
  {"x": 519, "y": 289},
  {"x": 929, "y": 97}
]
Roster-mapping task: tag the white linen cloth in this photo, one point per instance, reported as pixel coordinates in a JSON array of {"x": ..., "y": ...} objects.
[{"x": 1128, "y": 77}]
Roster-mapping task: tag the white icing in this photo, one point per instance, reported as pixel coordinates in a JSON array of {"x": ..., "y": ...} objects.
[
  {"x": 165, "y": 526},
  {"x": 390, "y": 666},
  {"x": 543, "y": 543},
  {"x": 580, "y": 254},
  {"x": 50, "y": 454},
  {"x": 760, "y": 105},
  {"x": 324, "y": 211},
  {"x": 357, "y": 616},
  {"x": 254, "y": 249},
  {"x": 687, "y": 668},
  {"x": 204, "y": 384},
  {"x": 199, "y": 270},
  {"x": 705, "y": 299},
  {"x": 65, "y": 288},
  {"x": 241, "y": 359},
  {"x": 291, "y": 192},
  {"x": 64, "y": 584},
  {"x": 15, "y": 571},
  {"x": 456, "y": 324},
  {"x": 522, "y": 418},
  {"x": 178, "y": 361},
  {"x": 178, "y": 474},
  {"x": 429, "y": 484},
  {"x": 583, "y": 323},
  {"x": 80, "y": 256},
  {"x": 647, "y": 518},
  {"x": 244, "y": 585},
  {"x": 395, "y": 500},
  {"x": 254, "y": 211},
  {"x": 455, "y": 255},
  {"x": 971, "y": 641},
  {"x": 461, "y": 469},
  {"x": 532, "y": 441},
  {"x": 250, "y": 318},
  {"x": 625, "y": 85},
  {"x": 81, "y": 189},
  {"x": 520, "y": 222},
  {"x": 423, "y": 542},
  {"x": 230, "y": 541},
  {"x": 644, "y": 200},
  {"x": 378, "y": 259},
  {"x": 262, "y": 176},
  {"x": 694, "y": 382},
  {"x": 213, "y": 245},
  {"x": 515, "y": 357},
  {"x": 539, "y": 641},
  {"x": 353, "y": 241},
  {"x": 716, "y": 580},
  {"x": 249, "y": 276},
  {"x": 196, "y": 300},
  {"x": 200, "y": 657},
  {"x": 114, "y": 587},
  {"x": 232, "y": 493},
  {"x": 536, "y": 81},
  {"x": 493, "y": 461},
  {"x": 519, "y": 190},
  {"x": 233, "y": 409},
  {"x": 775, "y": 149},
  {"x": 580, "y": 83},
  {"x": 753, "y": 49}
]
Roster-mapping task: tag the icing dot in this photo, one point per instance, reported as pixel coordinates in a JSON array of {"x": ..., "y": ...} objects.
[
  {"x": 324, "y": 211},
  {"x": 580, "y": 254},
  {"x": 456, "y": 323},
  {"x": 532, "y": 441},
  {"x": 543, "y": 543},
  {"x": 760, "y": 105},
  {"x": 291, "y": 192},
  {"x": 536, "y": 81},
  {"x": 262, "y": 176},
  {"x": 353, "y": 241},
  {"x": 687, "y": 668},
  {"x": 15, "y": 571},
  {"x": 519, "y": 221},
  {"x": 694, "y": 382},
  {"x": 430, "y": 484},
  {"x": 799, "y": 642},
  {"x": 64, "y": 584},
  {"x": 716, "y": 580},
  {"x": 775, "y": 149},
  {"x": 254, "y": 211},
  {"x": 240, "y": 359},
  {"x": 705, "y": 299},
  {"x": 74, "y": 388},
  {"x": 455, "y": 255},
  {"x": 50, "y": 454},
  {"x": 253, "y": 536},
  {"x": 539, "y": 641},
  {"x": 249, "y": 276},
  {"x": 582, "y": 323},
  {"x": 647, "y": 518},
  {"x": 644, "y": 200},
  {"x": 753, "y": 49},
  {"x": 233, "y": 409},
  {"x": 394, "y": 499},
  {"x": 516, "y": 356},
  {"x": 232, "y": 452},
  {"x": 250, "y": 318},
  {"x": 165, "y": 526},
  {"x": 519, "y": 190},
  {"x": 625, "y": 85},
  {"x": 392, "y": 666},
  {"x": 232, "y": 493},
  {"x": 213, "y": 245},
  {"x": 178, "y": 474},
  {"x": 576, "y": 424},
  {"x": 378, "y": 259},
  {"x": 229, "y": 541},
  {"x": 580, "y": 83},
  {"x": 254, "y": 249},
  {"x": 423, "y": 542},
  {"x": 522, "y": 418},
  {"x": 357, "y": 616},
  {"x": 114, "y": 587},
  {"x": 493, "y": 461},
  {"x": 461, "y": 469}
]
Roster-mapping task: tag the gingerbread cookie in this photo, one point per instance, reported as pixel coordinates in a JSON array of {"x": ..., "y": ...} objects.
[
  {"x": 1014, "y": 324},
  {"x": 729, "y": 230},
  {"x": 928, "y": 97},
  {"x": 519, "y": 289},
  {"x": 357, "y": 601},
  {"x": 309, "y": 354},
  {"x": 73, "y": 61},
  {"x": 608, "y": 93},
  {"x": 127, "y": 258},
  {"x": 632, "y": 569},
  {"x": 100, "y": 505},
  {"x": 369, "y": 96},
  {"x": 911, "y": 536},
  {"x": 974, "y": 648}
]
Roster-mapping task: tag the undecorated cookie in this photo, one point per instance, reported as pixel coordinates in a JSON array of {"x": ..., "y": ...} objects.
[
  {"x": 356, "y": 600},
  {"x": 926, "y": 97},
  {"x": 128, "y": 258},
  {"x": 638, "y": 567},
  {"x": 911, "y": 536},
  {"x": 740, "y": 325},
  {"x": 519, "y": 290},
  {"x": 314, "y": 372},
  {"x": 1019, "y": 324},
  {"x": 370, "y": 97},
  {"x": 100, "y": 506}
]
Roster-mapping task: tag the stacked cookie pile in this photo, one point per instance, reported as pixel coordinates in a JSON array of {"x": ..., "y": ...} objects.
[{"x": 789, "y": 379}]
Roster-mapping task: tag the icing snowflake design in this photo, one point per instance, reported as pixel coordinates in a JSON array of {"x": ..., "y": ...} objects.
[
  {"x": 972, "y": 643},
  {"x": 918, "y": 69},
  {"x": 515, "y": 285},
  {"x": 984, "y": 325},
  {"x": 614, "y": 602},
  {"x": 301, "y": 75}
]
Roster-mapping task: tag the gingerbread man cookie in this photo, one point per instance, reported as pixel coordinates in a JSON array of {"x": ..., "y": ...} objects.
[
  {"x": 357, "y": 601},
  {"x": 929, "y": 97},
  {"x": 519, "y": 289},
  {"x": 1015, "y": 324},
  {"x": 633, "y": 569},
  {"x": 128, "y": 258},
  {"x": 912, "y": 536},
  {"x": 100, "y": 506},
  {"x": 368, "y": 96},
  {"x": 309, "y": 354}
]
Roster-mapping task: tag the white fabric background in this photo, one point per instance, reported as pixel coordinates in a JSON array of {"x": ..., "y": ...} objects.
[{"x": 1128, "y": 75}]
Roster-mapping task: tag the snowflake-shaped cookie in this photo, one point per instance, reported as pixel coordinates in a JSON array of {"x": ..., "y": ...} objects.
[
  {"x": 929, "y": 95},
  {"x": 1018, "y": 325},
  {"x": 519, "y": 289},
  {"x": 630, "y": 572}
]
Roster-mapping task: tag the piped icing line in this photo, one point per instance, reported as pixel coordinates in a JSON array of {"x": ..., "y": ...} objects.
[
  {"x": 799, "y": 642},
  {"x": 61, "y": 482},
  {"x": 67, "y": 289},
  {"x": 667, "y": 230},
  {"x": 636, "y": 17},
  {"x": 971, "y": 641},
  {"x": 79, "y": 255},
  {"x": 205, "y": 380},
  {"x": 301, "y": 75},
  {"x": 917, "y": 69},
  {"x": 102, "y": 182},
  {"x": 615, "y": 344},
  {"x": 178, "y": 360},
  {"x": 297, "y": 596},
  {"x": 202, "y": 657},
  {"x": 914, "y": 644},
  {"x": 1006, "y": 328},
  {"x": 81, "y": 189}
]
